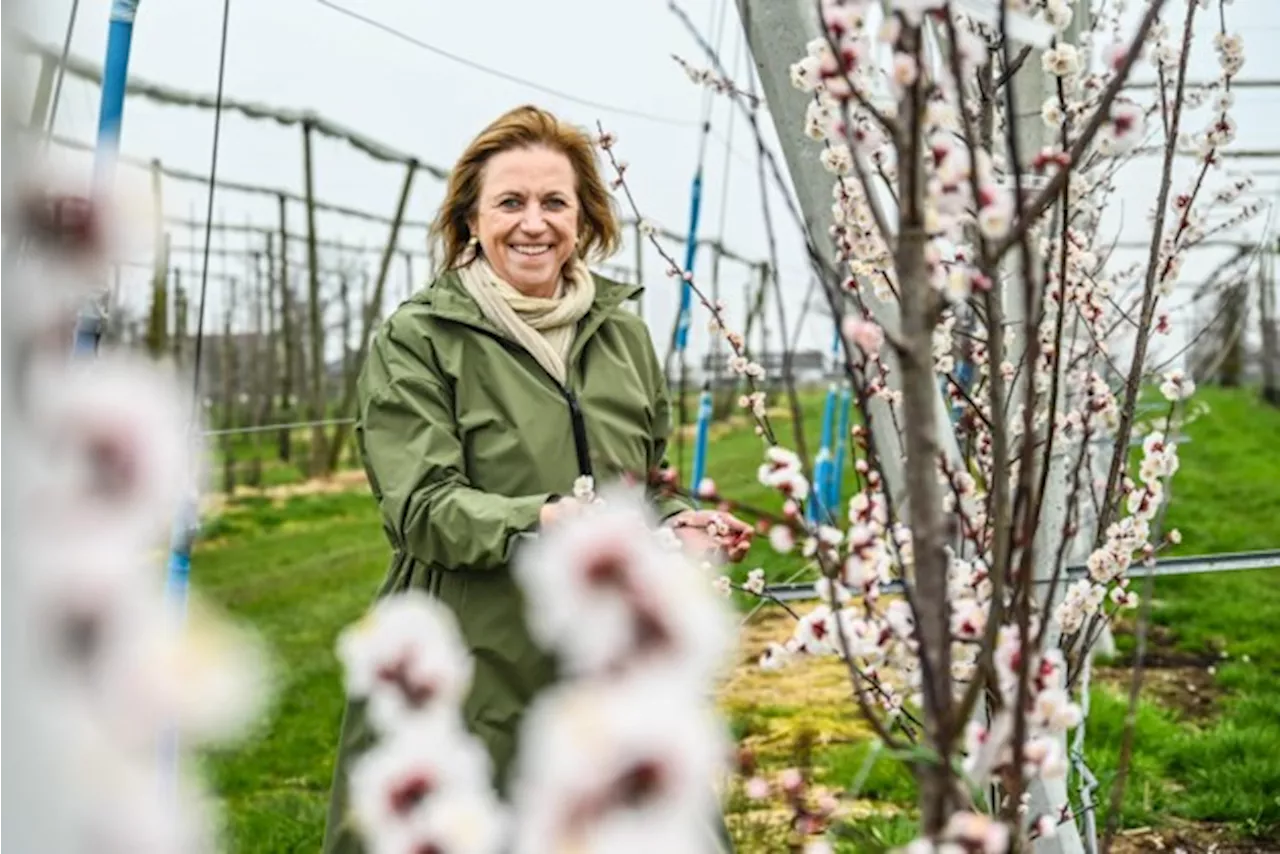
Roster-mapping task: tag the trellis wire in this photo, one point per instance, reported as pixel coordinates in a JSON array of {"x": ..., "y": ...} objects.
[{"x": 1169, "y": 567}]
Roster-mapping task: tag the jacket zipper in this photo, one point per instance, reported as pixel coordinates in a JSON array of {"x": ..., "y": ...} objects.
[{"x": 580, "y": 444}]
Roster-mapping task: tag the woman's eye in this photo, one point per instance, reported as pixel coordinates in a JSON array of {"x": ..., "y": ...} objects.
[{"x": 510, "y": 204}]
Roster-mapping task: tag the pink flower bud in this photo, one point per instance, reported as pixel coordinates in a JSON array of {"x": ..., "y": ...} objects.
[{"x": 868, "y": 336}]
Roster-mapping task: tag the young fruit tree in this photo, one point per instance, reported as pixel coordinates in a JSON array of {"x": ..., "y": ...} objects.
[{"x": 964, "y": 156}]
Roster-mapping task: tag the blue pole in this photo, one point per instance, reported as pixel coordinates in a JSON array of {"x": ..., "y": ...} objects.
[
  {"x": 964, "y": 376},
  {"x": 684, "y": 316},
  {"x": 115, "y": 71},
  {"x": 822, "y": 465},
  {"x": 690, "y": 254},
  {"x": 700, "y": 442}
]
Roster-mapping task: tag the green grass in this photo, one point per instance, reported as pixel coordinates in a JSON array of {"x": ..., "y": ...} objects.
[
  {"x": 300, "y": 571},
  {"x": 1226, "y": 498},
  {"x": 298, "y": 576}
]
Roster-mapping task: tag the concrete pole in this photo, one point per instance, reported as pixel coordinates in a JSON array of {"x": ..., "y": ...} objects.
[
  {"x": 1031, "y": 87},
  {"x": 777, "y": 33}
]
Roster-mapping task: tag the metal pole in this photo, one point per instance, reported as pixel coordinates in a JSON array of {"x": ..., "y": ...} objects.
[
  {"x": 115, "y": 71},
  {"x": 62, "y": 70},
  {"x": 700, "y": 443}
]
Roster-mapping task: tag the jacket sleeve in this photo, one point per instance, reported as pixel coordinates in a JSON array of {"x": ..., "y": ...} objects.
[
  {"x": 666, "y": 506},
  {"x": 413, "y": 456}
]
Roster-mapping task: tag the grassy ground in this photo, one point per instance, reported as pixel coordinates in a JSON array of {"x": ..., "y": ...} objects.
[{"x": 299, "y": 569}]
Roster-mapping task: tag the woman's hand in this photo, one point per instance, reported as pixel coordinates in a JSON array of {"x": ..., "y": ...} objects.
[
  {"x": 713, "y": 531},
  {"x": 557, "y": 511}
]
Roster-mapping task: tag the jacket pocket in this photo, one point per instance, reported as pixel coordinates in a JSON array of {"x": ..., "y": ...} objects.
[{"x": 411, "y": 574}]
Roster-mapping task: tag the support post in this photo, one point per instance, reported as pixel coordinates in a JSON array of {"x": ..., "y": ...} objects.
[
  {"x": 157, "y": 324},
  {"x": 639, "y": 238},
  {"x": 44, "y": 93},
  {"x": 92, "y": 319},
  {"x": 1270, "y": 351},
  {"x": 408, "y": 275},
  {"x": 372, "y": 310},
  {"x": 289, "y": 335},
  {"x": 317, "y": 413}
]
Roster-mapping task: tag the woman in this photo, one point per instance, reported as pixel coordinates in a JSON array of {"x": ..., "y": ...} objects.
[{"x": 490, "y": 392}]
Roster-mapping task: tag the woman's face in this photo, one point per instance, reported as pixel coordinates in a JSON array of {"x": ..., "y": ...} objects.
[{"x": 527, "y": 217}]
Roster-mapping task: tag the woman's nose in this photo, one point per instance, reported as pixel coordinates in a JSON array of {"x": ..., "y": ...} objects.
[{"x": 533, "y": 220}]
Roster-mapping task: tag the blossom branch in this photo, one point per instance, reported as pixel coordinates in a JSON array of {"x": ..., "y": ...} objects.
[{"x": 1029, "y": 214}]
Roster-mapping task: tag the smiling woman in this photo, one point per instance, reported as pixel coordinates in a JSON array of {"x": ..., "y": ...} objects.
[
  {"x": 528, "y": 218},
  {"x": 488, "y": 395}
]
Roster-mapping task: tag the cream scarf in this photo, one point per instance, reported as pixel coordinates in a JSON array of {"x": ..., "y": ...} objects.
[{"x": 544, "y": 326}]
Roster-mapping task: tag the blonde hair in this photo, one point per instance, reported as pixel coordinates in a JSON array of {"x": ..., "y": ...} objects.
[{"x": 525, "y": 127}]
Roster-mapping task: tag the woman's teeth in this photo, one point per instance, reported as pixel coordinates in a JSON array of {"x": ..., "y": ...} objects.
[{"x": 531, "y": 250}]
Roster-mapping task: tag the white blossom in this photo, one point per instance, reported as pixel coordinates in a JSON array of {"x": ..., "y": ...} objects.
[
  {"x": 407, "y": 659},
  {"x": 607, "y": 762},
  {"x": 601, "y": 591}
]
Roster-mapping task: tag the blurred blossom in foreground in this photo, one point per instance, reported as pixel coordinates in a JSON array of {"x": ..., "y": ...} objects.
[
  {"x": 622, "y": 755},
  {"x": 116, "y": 682}
]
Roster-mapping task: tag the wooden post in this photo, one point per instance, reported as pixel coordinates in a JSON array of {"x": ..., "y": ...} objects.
[
  {"x": 639, "y": 237},
  {"x": 288, "y": 408},
  {"x": 719, "y": 399},
  {"x": 272, "y": 385},
  {"x": 158, "y": 316},
  {"x": 227, "y": 367},
  {"x": 344, "y": 297},
  {"x": 317, "y": 410},
  {"x": 44, "y": 92},
  {"x": 179, "y": 319},
  {"x": 372, "y": 311},
  {"x": 257, "y": 373},
  {"x": 1270, "y": 352},
  {"x": 157, "y": 323}
]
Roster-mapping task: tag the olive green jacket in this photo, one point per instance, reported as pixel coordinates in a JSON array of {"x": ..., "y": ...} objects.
[{"x": 464, "y": 437}]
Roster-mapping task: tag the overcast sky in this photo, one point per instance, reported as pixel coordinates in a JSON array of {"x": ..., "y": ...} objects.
[{"x": 301, "y": 54}]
